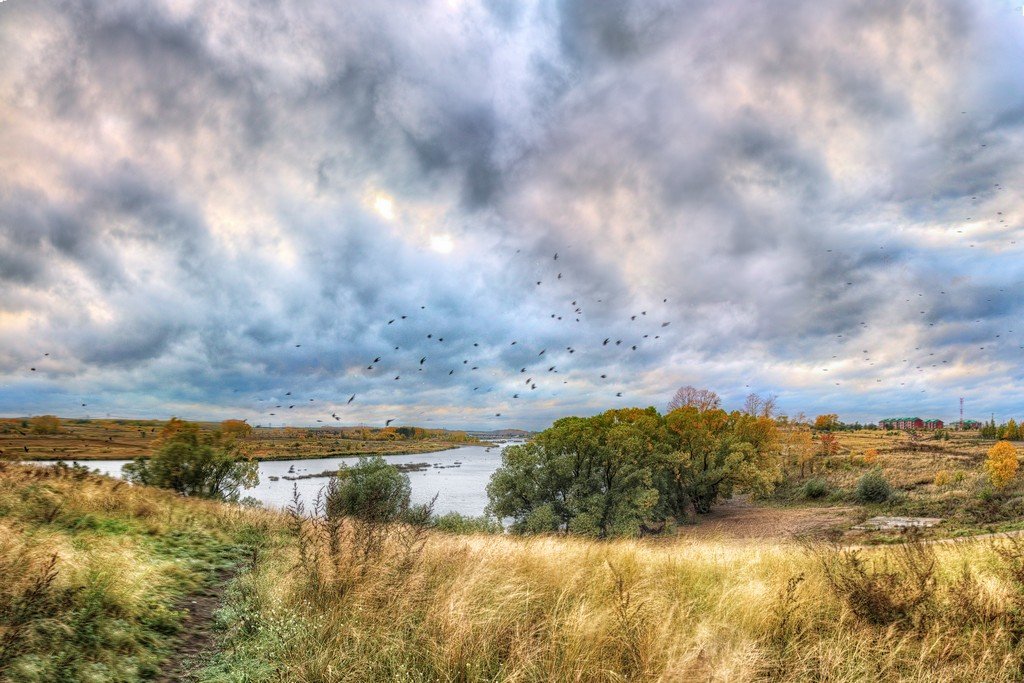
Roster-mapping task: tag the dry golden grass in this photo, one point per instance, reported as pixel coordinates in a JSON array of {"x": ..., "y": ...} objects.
[
  {"x": 523, "y": 609},
  {"x": 493, "y": 608}
]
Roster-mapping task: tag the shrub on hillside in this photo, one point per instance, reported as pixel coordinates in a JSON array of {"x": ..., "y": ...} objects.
[
  {"x": 873, "y": 488},
  {"x": 372, "y": 491},
  {"x": 892, "y": 588},
  {"x": 815, "y": 488}
]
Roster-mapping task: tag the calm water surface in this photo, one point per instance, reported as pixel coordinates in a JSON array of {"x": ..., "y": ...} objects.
[{"x": 461, "y": 488}]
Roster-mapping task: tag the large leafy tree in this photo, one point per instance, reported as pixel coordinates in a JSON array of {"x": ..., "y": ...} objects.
[
  {"x": 194, "y": 463},
  {"x": 716, "y": 453},
  {"x": 593, "y": 476},
  {"x": 610, "y": 474}
]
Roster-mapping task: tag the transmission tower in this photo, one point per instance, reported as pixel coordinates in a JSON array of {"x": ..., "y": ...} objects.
[{"x": 961, "y": 413}]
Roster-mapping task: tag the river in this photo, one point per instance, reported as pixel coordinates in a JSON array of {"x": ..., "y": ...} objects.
[{"x": 457, "y": 476}]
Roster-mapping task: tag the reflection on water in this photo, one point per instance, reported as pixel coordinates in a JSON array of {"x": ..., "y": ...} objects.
[{"x": 458, "y": 477}]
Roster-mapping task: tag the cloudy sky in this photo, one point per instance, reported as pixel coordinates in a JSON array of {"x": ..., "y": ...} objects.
[{"x": 206, "y": 205}]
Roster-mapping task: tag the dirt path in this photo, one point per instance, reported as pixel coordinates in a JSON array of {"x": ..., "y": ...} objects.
[
  {"x": 739, "y": 519},
  {"x": 197, "y": 639}
]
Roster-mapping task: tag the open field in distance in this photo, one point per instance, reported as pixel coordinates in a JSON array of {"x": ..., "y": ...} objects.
[{"x": 108, "y": 439}]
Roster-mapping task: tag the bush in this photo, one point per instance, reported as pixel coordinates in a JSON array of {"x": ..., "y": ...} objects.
[
  {"x": 873, "y": 488},
  {"x": 815, "y": 488},
  {"x": 372, "y": 491},
  {"x": 454, "y": 523},
  {"x": 890, "y": 587}
]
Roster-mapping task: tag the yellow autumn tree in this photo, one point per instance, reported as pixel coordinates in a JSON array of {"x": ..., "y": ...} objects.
[
  {"x": 1002, "y": 464},
  {"x": 235, "y": 428},
  {"x": 798, "y": 448},
  {"x": 45, "y": 424},
  {"x": 826, "y": 423}
]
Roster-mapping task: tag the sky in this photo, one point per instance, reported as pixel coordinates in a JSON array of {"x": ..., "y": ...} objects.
[{"x": 207, "y": 205}]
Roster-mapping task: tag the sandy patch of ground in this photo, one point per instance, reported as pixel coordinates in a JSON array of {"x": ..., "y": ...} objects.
[{"x": 739, "y": 519}]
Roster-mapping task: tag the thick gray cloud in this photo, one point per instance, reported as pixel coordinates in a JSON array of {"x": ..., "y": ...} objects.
[{"x": 206, "y": 205}]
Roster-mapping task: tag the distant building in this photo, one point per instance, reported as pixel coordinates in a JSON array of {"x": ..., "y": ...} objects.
[
  {"x": 910, "y": 423},
  {"x": 970, "y": 424}
]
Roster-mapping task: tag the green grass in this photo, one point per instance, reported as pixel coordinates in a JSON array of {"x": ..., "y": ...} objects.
[{"x": 95, "y": 572}]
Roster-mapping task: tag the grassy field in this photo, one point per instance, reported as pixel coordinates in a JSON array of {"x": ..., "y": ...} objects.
[
  {"x": 127, "y": 439},
  {"x": 555, "y": 609},
  {"x": 99, "y": 578}
]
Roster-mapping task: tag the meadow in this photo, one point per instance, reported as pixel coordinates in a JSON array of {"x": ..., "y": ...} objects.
[{"x": 100, "y": 577}]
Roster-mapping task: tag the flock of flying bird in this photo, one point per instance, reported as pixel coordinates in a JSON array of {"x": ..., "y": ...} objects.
[
  {"x": 999, "y": 220},
  {"x": 534, "y": 368}
]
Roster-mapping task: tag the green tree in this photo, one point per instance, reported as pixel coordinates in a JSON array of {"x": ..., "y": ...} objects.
[
  {"x": 714, "y": 453},
  {"x": 198, "y": 464},
  {"x": 610, "y": 474},
  {"x": 592, "y": 476}
]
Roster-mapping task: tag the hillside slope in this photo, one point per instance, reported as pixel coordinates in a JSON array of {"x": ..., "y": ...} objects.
[{"x": 98, "y": 575}]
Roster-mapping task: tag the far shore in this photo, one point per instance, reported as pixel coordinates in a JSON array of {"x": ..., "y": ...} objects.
[{"x": 423, "y": 448}]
